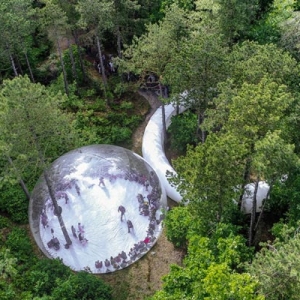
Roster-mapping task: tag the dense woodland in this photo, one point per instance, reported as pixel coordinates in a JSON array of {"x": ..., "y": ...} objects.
[{"x": 70, "y": 71}]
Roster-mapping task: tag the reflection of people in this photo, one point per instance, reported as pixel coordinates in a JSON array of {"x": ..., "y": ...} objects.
[
  {"x": 98, "y": 264},
  {"x": 147, "y": 240},
  {"x": 101, "y": 181},
  {"x": 74, "y": 231},
  {"x": 129, "y": 225},
  {"x": 107, "y": 263},
  {"x": 80, "y": 228},
  {"x": 122, "y": 210},
  {"x": 147, "y": 183},
  {"x": 44, "y": 219}
]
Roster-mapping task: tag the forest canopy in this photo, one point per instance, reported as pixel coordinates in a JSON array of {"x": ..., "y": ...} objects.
[{"x": 72, "y": 73}]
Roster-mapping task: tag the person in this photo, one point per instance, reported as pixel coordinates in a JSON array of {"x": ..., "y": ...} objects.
[
  {"x": 147, "y": 183},
  {"x": 98, "y": 264},
  {"x": 80, "y": 236},
  {"x": 107, "y": 263},
  {"x": 74, "y": 231},
  {"x": 101, "y": 182},
  {"x": 112, "y": 67},
  {"x": 44, "y": 219},
  {"x": 147, "y": 240},
  {"x": 123, "y": 255},
  {"x": 80, "y": 228},
  {"x": 129, "y": 225},
  {"x": 122, "y": 210}
]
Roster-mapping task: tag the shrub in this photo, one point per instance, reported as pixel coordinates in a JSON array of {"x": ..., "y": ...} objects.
[
  {"x": 178, "y": 223},
  {"x": 20, "y": 245},
  {"x": 82, "y": 286},
  {"x": 41, "y": 278},
  {"x": 183, "y": 129},
  {"x": 14, "y": 202}
]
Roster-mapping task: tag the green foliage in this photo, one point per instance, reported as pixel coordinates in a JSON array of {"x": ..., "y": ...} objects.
[
  {"x": 250, "y": 62},
  {"x": 33, "y": 129},
  {"x": 81, "y": 286},
  {"x": 235, "y": 18},
  {"x": 112, "y": 126},
  {"x": 285, "y": 198},
  {"x": 4, "y": 222},
  {"x": 183, "y": 129},
  {"x": 185, "y": 4},
  {"x": 7, "y": 264},
  {"x": 14, "y": 203},
  {"x": 221, "y": 284},
  {"x": 277, "y": 269},
  {"x": 20, "y": 246},
  {"x": 178, "y": 223},
  {"x": 206, "y": 177},
  {"x": 207, "y": 272},
  {"x": 75, "y": 74},
  {"x": 41, "y": 278}
]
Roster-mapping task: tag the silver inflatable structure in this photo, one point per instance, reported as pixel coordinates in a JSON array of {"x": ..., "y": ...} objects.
[{"x": 98, "y": 208}]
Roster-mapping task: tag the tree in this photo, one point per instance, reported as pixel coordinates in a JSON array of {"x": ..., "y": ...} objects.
[
  {"x": 153, "y": 51},
  {"x": 17, "y": 23},
  {"x": 34, "y": 107},
  {"x": 208, "y": 270},
  {"x": 123, "y": 14},
  {"x": 54, "y": 21},
  {"x": 96, "y": 17},
  {"x": 273, "y": 159},
  {"x": 251, "y": 113},
  {"x": 277, "y": 269},
  {"x": 271, "y": 16},
  {"x": 82, "y": 286},
  {"x": 235, "y": 17},
  {"x": 207, "y": 177},
  {"x": 34, "y": 131},
  {"x": 250, "y": 62},
  {"x": 197, "y": 68}
]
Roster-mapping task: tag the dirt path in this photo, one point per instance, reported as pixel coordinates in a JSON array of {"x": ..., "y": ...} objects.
[
  {"x": 143, "y": 278},
  {"x": 137, "y": 137}
]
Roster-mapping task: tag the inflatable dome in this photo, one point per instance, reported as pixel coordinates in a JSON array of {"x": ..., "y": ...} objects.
[{"x": 98, "y": 208}]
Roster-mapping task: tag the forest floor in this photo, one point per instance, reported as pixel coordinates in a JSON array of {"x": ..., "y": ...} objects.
[{"x": 143, "y": 278}]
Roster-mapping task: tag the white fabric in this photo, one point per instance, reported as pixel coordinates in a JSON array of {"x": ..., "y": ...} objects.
[
  {"x": 153, "y": 151},
  {"x": 247, "y": 200}
]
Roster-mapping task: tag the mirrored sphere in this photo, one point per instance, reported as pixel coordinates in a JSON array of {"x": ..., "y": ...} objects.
[{"x": 98, "y": 208}]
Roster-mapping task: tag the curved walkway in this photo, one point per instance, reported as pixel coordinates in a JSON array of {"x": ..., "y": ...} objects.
[
  {"x": 152, "y": 148},
  {"x": 154, "y": 154}
]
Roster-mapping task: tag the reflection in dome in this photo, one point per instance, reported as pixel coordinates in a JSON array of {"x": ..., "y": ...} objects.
[{"x": 107, "y": 211}]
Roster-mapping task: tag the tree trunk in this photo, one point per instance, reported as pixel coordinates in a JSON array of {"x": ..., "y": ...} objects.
[
  {"x": 21, "y": 181},
  {"x": 13, "y": 65},
  {"x": 253, "y": 212},
  {"x": 63, "y": 67},
  {"x": 74, "y": 72},
  {"x": 49, "y": 185},
  {"x": 119, "y": 40},
  {"x": 101, "y": 61},
  {"x": 57, "y": 209},
  {"x": 200, "y": 132},
  {"x": 19, "y": 65},
  {"x": 246, "y": 178},
  {"x": 80, "y": 57},
  {"x": 262, "y": 209},
  {"x": 29, "y": 67}
]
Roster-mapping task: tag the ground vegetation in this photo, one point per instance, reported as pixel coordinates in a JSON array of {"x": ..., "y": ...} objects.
[{"x": 74, "y": 73}]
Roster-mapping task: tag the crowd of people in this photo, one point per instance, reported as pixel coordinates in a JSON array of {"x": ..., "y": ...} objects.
[{"x": 148, "y": 203}]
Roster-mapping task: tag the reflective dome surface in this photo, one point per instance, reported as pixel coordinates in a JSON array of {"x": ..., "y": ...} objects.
[{"x": 98, "y": 208}]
